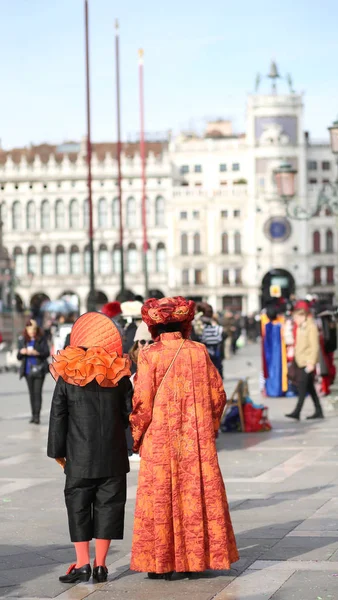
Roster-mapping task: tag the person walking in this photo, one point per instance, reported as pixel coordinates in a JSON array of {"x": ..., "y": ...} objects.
[
  {"x": 306, "y": 358},
  {"x": 89, "y": 414},
  {"x": 33, "y": 351},
  {"x": 142, "y": 340},
  {"x": 212, "y": 337},
  {"x": 182, "y": 521},
  {"x": 228, "y": 323}
]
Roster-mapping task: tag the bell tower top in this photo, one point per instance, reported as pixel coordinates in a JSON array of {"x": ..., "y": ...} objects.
[{"x": 274, "y": 75}]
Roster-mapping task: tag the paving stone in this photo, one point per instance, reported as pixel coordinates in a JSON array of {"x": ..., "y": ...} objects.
[
  {"x": 307, "y": 585},
  {"x": 282, "y": 494}
]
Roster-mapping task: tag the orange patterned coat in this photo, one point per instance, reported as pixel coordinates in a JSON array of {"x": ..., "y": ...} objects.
[{"x": 182, "y": 520}]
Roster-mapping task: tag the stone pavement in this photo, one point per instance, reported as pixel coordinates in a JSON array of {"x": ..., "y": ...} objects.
[{"x": 282, "y": 488}]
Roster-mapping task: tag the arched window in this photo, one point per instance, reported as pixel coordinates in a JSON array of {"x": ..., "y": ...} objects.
[
  {"x": 46, "y": 261},
  {"x": 45, "y": 215},
  {"x": 3, "y": 213},
  {"x": 19, "y": 262},
  {"x": 86, "y": 214},
  {"x": 225, "y": 243},
  {"x": 238, "y": 249},
  {"x": 161, "y": 258},
  {"x": 317, "y": 276},
  {"x": 150, "y": 265},
  {"x": 86, "y": 260},
  {"x": 61, "y": 261},
  {"x": 102, "y": 213},
  {"x": 30, "y": 216},
  {"x": 197, "y": 243},
  {"x": 116, "y": 213},
  {"x": 316, "y": 242},
  {"x": 32, "y": 260},
  {"x": 104, "y": 263},
  {"x": 184, "y": 244},
  {"x": 75, "y": 261},
  {"x": 159, "y": 211},
  {"x": 329, "y": 241},
  {"x": 74, "y": 214},
  {"x": 116, "y": 259},
  {"x": 16, "y": 216},
  {"x": 131, "y": 213},
  {"x": 132, "y": 259},
  {"x": 330, "y": 275},
  {"x": 59, "y": 215}
]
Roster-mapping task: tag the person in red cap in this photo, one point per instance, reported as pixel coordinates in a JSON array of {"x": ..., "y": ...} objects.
[
  {"x": 111, "y": 309},
  {"x": 89, "y": 414},
  {"x": 306, "y": 358},
  {"x": 182, "y": 521}
]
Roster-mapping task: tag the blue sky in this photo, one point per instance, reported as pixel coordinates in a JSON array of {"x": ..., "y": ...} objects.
[{"x": 201, "y": 59}]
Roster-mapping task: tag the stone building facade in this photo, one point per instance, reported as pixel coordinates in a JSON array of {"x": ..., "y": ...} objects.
[{"x": 217, "y": 228}]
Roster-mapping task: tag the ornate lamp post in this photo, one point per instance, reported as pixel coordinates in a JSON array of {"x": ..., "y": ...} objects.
[
  {"x": 285, "y": 177},
  {"x": 334, "y": 149},
  {"x": 334, "y": 138}
]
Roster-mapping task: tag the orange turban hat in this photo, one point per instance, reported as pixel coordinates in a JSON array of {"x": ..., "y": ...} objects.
[{"x": 168, "y": 310}]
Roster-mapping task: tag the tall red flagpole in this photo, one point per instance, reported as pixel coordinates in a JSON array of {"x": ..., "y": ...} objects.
[
  {"x": 119, "y": 149},
  {"x": 91, "y": 297},
  {"x": 144, "y": 183}
]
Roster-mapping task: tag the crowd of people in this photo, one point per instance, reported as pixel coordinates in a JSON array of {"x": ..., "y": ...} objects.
[
  {"x": 298, "y": 343},
  {"x": 133, "y": 384}
]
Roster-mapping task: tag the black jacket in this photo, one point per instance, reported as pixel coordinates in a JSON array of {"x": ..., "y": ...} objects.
[
  {"x": 41, "y": 346},
  {"x": 87, "y": 427}
]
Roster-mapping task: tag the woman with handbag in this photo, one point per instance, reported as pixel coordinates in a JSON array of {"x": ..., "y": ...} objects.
[
  {"x": 182, "y": 521},
  {"x": 33, "y": 353}
]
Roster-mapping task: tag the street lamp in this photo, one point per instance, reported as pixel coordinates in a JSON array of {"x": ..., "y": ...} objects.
[
  {"x": 285, "y": 176},
  {"x": 285, "y": 179},
  {"x": 334, "y": 149},
  {"x": 327, "y": 198},
  {"x": 334, "y": 138}
]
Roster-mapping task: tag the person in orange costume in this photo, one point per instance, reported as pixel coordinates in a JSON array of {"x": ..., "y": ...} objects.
[
  {"x": 89, "y": 414},
  {"x": 182, "y": 521}
]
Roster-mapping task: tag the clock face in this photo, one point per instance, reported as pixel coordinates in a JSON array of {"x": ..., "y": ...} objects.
[{"x": 277, "y": 229}]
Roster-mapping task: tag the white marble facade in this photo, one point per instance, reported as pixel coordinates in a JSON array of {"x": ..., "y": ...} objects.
[{"x": 216, "y": 227}]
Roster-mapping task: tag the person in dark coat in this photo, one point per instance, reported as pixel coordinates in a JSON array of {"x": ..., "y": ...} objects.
[
  {"x": 89, "y": 413},
  {"x": 33, "y": 351}
]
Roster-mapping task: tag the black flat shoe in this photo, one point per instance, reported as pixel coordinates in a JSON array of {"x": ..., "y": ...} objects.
[
  {"x": 74, "y": 575},
  {"x": 316, "y": 416},
  {"x": 100, "y": 574},
  {"x": 166, "y": 576},
  {"x": 36, "y": 420},
  {"x": 293, "y": 416}
]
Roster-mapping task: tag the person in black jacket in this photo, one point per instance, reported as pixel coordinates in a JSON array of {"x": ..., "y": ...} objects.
[
  {"x": 89, "y": 413},
  {"x": 33, "y": 351}
]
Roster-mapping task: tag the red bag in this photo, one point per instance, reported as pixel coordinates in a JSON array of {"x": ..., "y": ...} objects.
[{"x": 256, "y": 419}]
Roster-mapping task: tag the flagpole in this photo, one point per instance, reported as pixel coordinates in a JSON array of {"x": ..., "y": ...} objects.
[
  {"x": 91, "y": 303},
  {"x": 119, "y": 149},
  {"x": 143, "y": 164}
]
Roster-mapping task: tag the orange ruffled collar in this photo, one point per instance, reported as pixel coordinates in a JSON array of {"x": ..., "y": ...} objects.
[{"x": 79, "y": 367}]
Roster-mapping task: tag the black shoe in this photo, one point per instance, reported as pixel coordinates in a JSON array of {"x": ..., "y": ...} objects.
[
  {"x": 293, "y": 415},
  {"x": 100, "y": 574},
  {"x": 166, "y": 576},
  {"x": 316, "y": 415},
  {"x": 74, "y": 575},
  {"x": 36, "y": 420},
  {"x": 32, "y": 420}
]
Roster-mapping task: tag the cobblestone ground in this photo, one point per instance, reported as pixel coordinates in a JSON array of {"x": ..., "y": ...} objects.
[{"x": 282, "y": 487}]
